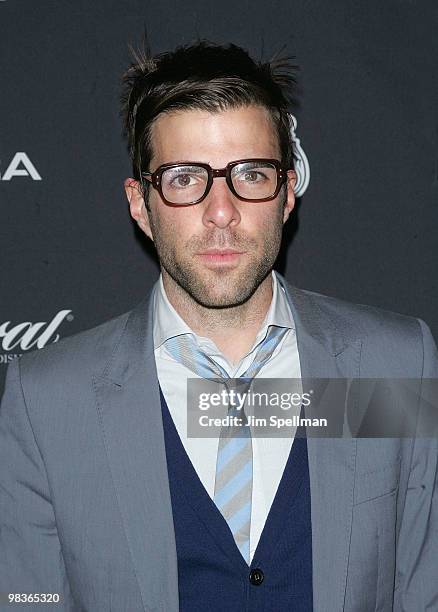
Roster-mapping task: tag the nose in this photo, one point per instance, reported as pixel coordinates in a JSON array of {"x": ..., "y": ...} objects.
[{"x": 220, "y": 206}]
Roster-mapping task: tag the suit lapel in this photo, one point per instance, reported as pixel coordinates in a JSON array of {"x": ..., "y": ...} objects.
[
  {"x": 327, "y": 349},
  {"x": 129, "y": 410}
]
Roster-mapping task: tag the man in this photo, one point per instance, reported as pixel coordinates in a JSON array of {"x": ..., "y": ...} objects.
[{"x": 105, "y": 499}]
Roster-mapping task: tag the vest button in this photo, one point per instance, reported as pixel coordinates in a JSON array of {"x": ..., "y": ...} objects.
[{"x": 256, "y": 576}]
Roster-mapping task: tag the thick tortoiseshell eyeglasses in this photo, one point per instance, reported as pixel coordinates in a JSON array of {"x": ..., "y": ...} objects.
[{"x": 186, "y": 183}]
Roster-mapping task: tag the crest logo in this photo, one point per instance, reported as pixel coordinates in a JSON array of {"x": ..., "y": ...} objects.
[{"x": 302, "y": 166}]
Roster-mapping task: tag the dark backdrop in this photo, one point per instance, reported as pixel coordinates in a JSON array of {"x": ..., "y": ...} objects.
[{"x": 364, "y": 231}]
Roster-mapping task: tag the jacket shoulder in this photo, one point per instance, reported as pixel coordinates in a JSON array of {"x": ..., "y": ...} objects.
[
  {"x": 391, "y": 344},
  {"x": 365, "y": 319}
]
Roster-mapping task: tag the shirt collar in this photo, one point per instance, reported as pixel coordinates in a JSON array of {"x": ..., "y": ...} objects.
[{"x": 168, "y": 323}]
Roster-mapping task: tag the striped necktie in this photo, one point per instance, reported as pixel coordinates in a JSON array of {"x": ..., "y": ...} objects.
[{"x": 234, "y": 470}]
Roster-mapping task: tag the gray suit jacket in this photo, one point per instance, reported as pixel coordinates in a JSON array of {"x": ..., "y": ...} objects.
[{"x": 85, "y": 507}]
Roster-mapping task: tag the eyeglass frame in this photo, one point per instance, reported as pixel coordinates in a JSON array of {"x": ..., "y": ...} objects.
[{"x": 155, "y": 178}]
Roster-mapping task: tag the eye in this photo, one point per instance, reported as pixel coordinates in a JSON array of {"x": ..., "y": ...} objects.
[
  {"x": 184, "y": 177},
  {"x": 252, "y": 176},
  {"x": 183, "y": 180}
]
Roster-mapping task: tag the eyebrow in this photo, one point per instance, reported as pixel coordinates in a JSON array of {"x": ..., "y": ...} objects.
[{"x": 185, "y": 166}]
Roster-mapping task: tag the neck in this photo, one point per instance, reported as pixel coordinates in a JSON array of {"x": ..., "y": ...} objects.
[{"x": 232, "y": 329}]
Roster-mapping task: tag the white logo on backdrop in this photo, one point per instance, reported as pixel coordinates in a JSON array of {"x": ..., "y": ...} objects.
[
  {"x": 302, "y": 167},
  {"x": 27, "y": 335},
  {"x": 20, "y": 165}
]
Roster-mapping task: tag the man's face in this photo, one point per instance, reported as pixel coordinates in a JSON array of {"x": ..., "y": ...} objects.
[{"x": 220, "y": 250}]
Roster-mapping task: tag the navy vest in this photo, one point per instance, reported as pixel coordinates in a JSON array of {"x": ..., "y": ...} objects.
[{"x": 212, "y": 574}]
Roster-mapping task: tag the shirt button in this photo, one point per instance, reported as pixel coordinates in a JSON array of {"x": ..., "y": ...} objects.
[{"x": 256, "y": 576}]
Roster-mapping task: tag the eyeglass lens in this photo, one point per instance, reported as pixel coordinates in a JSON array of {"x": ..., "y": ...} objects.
[{"x": 251, "y": 180}]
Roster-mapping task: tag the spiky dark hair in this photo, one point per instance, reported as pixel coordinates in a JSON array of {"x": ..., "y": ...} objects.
[{"x": 203, "y": 76}]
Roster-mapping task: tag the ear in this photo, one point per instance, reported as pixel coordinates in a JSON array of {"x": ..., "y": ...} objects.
[
  {"x": 137, "y": 206},
  {"x": 290, "y": 195}
]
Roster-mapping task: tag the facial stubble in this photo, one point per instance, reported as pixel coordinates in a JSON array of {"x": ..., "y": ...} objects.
[{"x": 221, "y": 287}]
